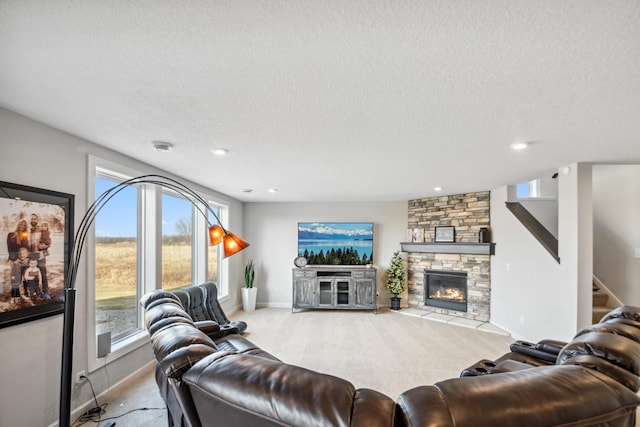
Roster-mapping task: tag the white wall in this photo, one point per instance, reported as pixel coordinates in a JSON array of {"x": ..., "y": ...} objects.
[
  {"x": 532, "y": 296},
  {"x": 616, "y": 218},
  {"x": 545, "y": 211},
  {"x": 272, "y": 230},
  {"x": 34, "y": 154}
]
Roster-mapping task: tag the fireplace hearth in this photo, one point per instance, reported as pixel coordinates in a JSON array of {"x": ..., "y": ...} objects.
[{"x": 446, "y": 289}]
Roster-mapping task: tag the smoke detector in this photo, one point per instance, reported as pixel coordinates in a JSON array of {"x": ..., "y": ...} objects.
[{"x": 162, "y": 147}]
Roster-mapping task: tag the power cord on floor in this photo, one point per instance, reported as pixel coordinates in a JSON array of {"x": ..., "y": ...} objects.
[{"x": 95, "y": 414}]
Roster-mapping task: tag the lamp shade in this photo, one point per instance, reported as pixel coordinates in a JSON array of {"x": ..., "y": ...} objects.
[
  {"x": 232, "y": 244},
  {"x": 216, "y": 233}
]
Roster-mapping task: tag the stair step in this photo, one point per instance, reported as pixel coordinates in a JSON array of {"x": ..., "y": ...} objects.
[
  {"x": 598, "y": 313},
  {"x": 600, "y": 299}
]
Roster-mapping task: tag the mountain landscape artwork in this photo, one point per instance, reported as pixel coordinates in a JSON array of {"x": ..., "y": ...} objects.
[{"x": 336, "y": 243}]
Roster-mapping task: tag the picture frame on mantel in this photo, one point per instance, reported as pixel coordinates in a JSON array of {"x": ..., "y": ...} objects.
[{"x": 444, "y": 235}]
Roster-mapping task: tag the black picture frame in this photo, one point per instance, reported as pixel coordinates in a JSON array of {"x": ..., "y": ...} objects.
[
  {"x": 47, "y": 251},
  {"x": 444, "y": 235}
]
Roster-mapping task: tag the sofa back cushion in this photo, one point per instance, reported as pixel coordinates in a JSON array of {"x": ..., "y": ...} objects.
[
  {"x": 211, "y": 302},
  {"x": 613, "y": 327},
  {"x": 246, "y": 390},
  {"x": 616, "y": 349},
  {"x": 179, "y": 346},
  {"x": 195, "y": 302},
  {"x": 543, "y": 396},
  {"x": 623, "y": 312}
]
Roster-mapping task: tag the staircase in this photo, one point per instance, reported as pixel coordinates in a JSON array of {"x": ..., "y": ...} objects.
[{"x": 601, "y": 304}]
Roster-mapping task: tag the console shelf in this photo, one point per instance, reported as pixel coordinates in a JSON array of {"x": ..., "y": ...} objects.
[{"x": 331, "y": 287}]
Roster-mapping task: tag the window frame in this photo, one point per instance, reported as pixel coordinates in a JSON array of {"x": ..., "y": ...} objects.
[{"x": 149, "y": 274}]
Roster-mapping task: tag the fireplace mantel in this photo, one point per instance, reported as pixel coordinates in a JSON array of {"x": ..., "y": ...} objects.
[{"x": 450, "y": 248}]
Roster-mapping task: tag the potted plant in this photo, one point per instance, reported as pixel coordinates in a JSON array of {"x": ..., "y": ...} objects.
[
  {"x": 395, "y": 280},
  {"x": 249, "y": 292}
]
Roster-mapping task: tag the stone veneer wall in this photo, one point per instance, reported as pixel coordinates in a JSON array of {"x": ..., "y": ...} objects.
[{"x": 467, "y": 213}]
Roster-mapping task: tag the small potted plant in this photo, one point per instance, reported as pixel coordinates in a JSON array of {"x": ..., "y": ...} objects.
[
  {"x": 395, "y": 280},
  {"x": 249, "y": 292}
]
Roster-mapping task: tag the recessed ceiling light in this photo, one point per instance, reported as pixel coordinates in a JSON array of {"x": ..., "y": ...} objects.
[
  {"x": 220, "y": 151},
  {"x": 519, "y": 145},
  {"x": 161, "y": 146},
  {"x": 272, "y": 190},
  {"x": 437, "y": 188}
]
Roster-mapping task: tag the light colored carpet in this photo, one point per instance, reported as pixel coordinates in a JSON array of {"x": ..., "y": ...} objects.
[{"x": 389, "y": 351}]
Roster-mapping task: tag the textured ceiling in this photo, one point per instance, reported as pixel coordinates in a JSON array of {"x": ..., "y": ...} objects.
[{"x": 334, "y": 100}]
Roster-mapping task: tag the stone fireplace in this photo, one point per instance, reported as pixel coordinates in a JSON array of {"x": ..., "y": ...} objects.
[{"x": 465, "y": 259}]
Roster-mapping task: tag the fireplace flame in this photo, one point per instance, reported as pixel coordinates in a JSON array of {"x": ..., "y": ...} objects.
[{"x": 448, "y": 293}]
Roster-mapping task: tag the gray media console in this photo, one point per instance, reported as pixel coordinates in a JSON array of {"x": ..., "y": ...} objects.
[{"x": 331, "y": 287}]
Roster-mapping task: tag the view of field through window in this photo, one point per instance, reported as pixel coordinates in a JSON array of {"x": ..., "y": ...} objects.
[{"x": 117, "y": 292}]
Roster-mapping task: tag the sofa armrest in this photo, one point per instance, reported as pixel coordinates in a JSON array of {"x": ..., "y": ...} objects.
[
  {"x": 530, "y": 349},
  {"x": 552, "y": 347},
  {"x": 209, "y": 327}
]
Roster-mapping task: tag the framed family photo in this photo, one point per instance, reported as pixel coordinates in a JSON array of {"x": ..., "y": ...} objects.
[{"x": 38, "y": 225}]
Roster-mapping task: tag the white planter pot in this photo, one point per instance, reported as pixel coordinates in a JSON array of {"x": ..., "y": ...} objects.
[{"x": 249, "y": 299}]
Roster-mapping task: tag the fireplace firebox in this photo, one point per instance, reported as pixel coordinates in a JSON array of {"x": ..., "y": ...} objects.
[{"x": 446, "y": 289}]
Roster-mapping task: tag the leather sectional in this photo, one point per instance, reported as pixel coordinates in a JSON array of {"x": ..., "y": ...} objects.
[{"x": 212, "y": 376}]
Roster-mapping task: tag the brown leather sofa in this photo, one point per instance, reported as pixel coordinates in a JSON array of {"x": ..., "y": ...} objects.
[
  {"x": 228, "y": 381},
  {"x": 611, "y": 346}
]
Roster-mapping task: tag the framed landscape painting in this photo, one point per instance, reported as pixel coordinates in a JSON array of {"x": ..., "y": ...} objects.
[
  {"x": 336, "y": 243},
  {"x": 37, "y": 224}
]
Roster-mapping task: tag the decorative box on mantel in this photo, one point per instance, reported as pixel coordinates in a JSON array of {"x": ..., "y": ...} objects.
[{"x": 450, "y": 248}]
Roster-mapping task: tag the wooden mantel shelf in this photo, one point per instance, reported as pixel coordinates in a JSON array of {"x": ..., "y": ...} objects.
[{"x": 450, "y": 248}]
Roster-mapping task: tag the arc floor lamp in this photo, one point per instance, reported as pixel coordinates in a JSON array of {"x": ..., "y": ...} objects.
[{"x": 217, "y": 234}]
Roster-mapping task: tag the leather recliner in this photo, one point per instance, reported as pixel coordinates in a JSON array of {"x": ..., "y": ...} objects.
[
  {"x": 241, "y": 385},
  {"x": 611, "y": 347},
  {"x": 201, "y": 303},
  {"x": 178, "y": 341}
]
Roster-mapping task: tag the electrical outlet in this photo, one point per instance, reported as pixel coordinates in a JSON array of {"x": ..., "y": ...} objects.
[{"x": 80, "y": 377}]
